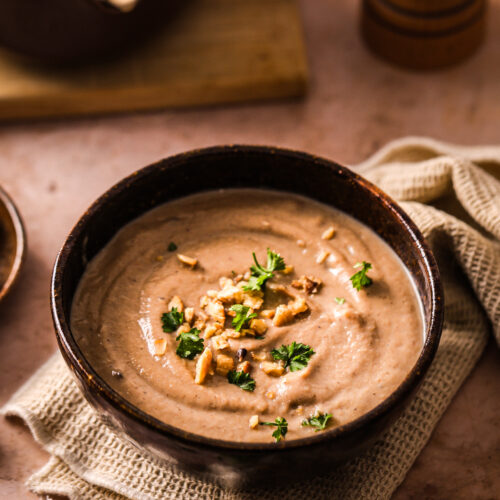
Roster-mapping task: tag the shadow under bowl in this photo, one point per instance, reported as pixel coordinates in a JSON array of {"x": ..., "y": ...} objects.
[{"x": 235, "y": 463}]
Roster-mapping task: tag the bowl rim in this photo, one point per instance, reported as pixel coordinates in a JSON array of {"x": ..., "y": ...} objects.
[
  {"x": 79, "y": 364},
  {"x": 20, "y": 250}
]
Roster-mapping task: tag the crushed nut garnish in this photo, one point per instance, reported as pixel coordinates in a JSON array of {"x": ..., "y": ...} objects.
[
  {"x": 220, "y": 343},
  {"x": 309, "y": 284},
  {"x": 259, "y": 356},
  {"x": 322, "y": 256},
  {"x": 215, "y": 310},
  {"x": 268, "y": 313},
  {"x": 189, "y": 314},
  {"x": 160, "y": 347},
  {"x": 299, "y": 410},
  {"x": 200, "y": 324},
  {"x": 184, "y": 328},
  {"x": 259, "y": 325},
  {"x": 224, "y": 363},
  {"x": 288, "y": 270},
  {"x": 253, "y": 423},
  {"x": 270, "y": 394},
  {"x": 210, "y": 331},
  {"x": 176, "y": 302},
  {"x": 283, "y": 315},
  {"x": 273, "y": 369},
  {"x": 189, "y": 261},
  {"x": 203, "y": 366},
  {"x": 244, "y": 367},
  {"x": 328, "y": 233}
]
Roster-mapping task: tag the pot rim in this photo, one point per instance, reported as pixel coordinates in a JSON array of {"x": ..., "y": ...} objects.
[{"x": 79, "y": 364}]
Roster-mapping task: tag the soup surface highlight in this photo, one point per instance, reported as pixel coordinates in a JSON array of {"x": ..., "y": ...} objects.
[{"x": 177, "y": 316}]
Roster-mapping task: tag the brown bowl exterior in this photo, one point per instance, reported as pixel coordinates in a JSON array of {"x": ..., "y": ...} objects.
[
  {"x": 233, "y": 463},
  {"x": 71, "y": 31}
]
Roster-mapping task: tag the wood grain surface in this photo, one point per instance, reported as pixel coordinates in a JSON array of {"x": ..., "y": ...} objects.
[{"x": 214, "y": 51}]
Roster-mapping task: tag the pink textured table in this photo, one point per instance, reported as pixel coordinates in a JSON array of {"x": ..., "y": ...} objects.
[{"x": 356, "y": 103}]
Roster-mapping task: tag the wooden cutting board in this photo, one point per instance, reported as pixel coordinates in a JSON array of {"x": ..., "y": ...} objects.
[{"x": 215, "y": 51}]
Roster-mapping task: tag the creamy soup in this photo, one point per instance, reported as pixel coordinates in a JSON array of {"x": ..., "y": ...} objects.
[{"x": 177, "y": 316}]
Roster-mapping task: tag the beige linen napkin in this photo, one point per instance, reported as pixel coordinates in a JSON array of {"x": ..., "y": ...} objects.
[{"x": 90, "y": 462}]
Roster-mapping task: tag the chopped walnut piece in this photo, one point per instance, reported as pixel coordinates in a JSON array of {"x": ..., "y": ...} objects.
[
  {"x": 219, "y": 343},
  {"x": 268, "y": 313},
  {"x": 212, "y": 293},
  {"x": 259, "y": 356},
  {"x": 159, "y": 347},
  {"x": 176, "y": 302},
  {"x": 328, "y": 233},
  {"x": 259, "y": 325},
  {"x": 251, "y": 299},
  {"x": 224, "y": 363},
  {"x": 189, "y": 314},
  {"x": 203, "y": 366},
  {"x": 244, "y": 367},
  {"x": 283, "y": 315},
  {"x": 215, "y": 310},
  {"x": 225, "y": 282},
  {"x": 231, "y": 334},
  {"x": 189, "y": 261},
  {"x": 230, "y": 294},
  {"x": 299, "y": 305},
  {"x": 271, "y": 368},
  {"x": 309, "y": 284},
  {"x": 211, "y": 330},
  {"x": 184, "y": 328},
  {"x": 199, "y": 324},
  {"x": 287, "y": 270},
  {"x": 247, "y": 331},
  {"x": 253, "y": 423},
  {"x": 322, "y": 256}
]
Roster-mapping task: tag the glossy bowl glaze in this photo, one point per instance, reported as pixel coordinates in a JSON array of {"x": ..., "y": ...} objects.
[{"x": 233, "y": 463}]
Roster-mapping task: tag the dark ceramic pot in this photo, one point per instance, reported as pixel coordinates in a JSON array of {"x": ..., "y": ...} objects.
[
  {"x": 68, "y": 31},
  {"x": 235, "y": 463}
]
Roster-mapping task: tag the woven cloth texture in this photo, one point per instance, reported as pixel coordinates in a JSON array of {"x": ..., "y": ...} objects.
[{"x": 433, "y": 181}]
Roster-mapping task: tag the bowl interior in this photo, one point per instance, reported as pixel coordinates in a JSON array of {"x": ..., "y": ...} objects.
[{"x": 247, "y": 166}]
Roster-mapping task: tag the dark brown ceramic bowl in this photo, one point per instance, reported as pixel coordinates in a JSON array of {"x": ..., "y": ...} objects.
[
  {"x": 69, "y": 31},
  {"x": 12, "y": 243},
  {"x": 234, "y": 463}
]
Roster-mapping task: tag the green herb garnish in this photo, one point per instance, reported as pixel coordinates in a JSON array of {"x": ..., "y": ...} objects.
[
  {"x": 261, "y": 274},
  {"x": 190, "y": 344},
  {"x": 172, "y": 247},
  {"x": 172, "y": 320},
  {"x": 339, "y": 300},
  {"x": 242, "y": 380},
  {"x": 319, "y": 421},
  {"x": 296, "y": 356},
  {"x": 360, "y": 279},
  {"x": 281, "y": 428},
  {"x": 242, "y": 317}
]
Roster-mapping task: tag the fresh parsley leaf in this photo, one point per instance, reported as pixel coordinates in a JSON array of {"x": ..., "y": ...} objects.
[
  {"x": 296, "y": 356},
  {"x": 242, "y": 317},
  {"x": 242, "y": 380},
  {"x": 281, "y": 428},
  {"x": 319, "y": 421},
  {"x": 172, "y": 320},
  {"x": 190, "y": 344},
  {"x": 339, "y": 300},
  {"x": 260, "y": 274},
  {"x": 172, "y": 247},
  {"x": 360, "y": 279}
]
